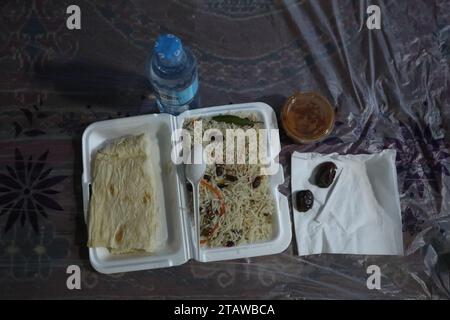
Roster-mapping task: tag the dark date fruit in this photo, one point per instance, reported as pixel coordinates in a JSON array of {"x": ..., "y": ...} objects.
[
  {"x": 205, "y": 232},
  {"x": 219, "y": 171},
  {"x": 222, "y": 185},
  {"x": 231, "y": 178},
  {"x": 304, "y": 200},
  {"x": 209, "y": 211},
  {"x": 256, "y": 182},
  {"x": 325, "y": 174},
  {"x": 229, "y": 244}
]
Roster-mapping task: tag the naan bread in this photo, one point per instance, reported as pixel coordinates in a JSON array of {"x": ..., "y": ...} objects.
[{"x": 124, "y": 212}]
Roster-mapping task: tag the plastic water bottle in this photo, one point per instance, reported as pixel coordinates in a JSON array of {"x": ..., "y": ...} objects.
[{"x": 173, "y": 75}]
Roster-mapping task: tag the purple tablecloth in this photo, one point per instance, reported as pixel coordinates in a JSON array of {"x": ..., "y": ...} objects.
[{"x": 390, "y": 88}]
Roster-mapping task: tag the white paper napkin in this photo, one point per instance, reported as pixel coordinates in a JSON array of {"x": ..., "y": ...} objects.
[{"x": 358, "y": 214}]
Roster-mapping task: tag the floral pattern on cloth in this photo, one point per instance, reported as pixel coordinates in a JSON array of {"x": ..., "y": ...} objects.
[{"x": 26, "y": 191}]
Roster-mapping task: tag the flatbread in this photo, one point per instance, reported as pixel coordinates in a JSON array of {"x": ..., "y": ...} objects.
[{"x": 124, "y": 212}]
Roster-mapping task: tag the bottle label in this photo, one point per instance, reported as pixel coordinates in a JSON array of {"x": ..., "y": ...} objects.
[{"x": 178, "y": 98}]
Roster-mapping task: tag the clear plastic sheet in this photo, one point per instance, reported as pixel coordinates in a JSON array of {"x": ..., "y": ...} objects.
[{"x": 390, "y": 88}]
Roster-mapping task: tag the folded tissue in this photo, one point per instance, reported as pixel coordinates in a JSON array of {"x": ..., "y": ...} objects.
[{"x": 359, "y": 213}]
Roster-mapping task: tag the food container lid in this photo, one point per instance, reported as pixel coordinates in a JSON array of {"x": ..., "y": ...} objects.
[{"x": 179, "y": 248}]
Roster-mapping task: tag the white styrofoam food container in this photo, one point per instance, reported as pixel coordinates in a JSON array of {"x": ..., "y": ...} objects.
[{"x": 179, "y": 247}]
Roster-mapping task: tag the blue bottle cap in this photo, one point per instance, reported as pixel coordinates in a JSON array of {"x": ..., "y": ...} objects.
[{"x": 169, "y": 50}]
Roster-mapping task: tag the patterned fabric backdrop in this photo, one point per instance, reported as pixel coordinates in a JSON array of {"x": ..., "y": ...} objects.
[{"x": 390, "y": 88}]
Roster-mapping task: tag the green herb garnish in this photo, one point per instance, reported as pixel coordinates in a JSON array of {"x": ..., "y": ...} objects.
[{"x": 227, "y": 118}]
